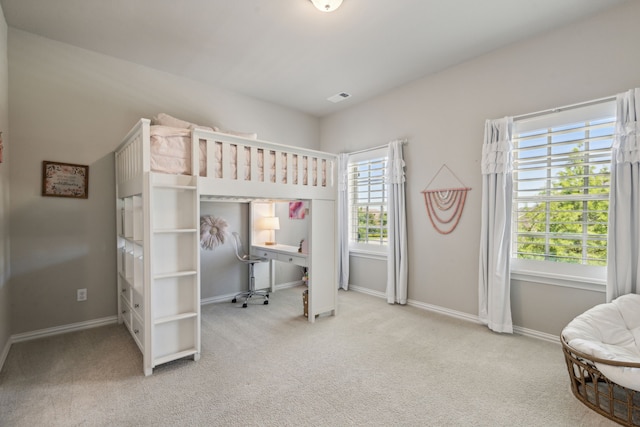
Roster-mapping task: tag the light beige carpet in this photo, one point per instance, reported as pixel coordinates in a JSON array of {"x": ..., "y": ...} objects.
[{"x": 372, "y": 365}]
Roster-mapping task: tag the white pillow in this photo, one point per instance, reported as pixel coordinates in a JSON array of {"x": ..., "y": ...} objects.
[
  {"x": 235, "y": 133},
  {"x": 163, "y": 119}
]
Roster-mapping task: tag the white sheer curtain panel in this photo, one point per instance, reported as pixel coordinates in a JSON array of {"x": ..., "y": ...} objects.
[
  {"x": 397, "y": 265},
  {"x": 494, "y": 294},
  {"x": 623, "y": 263},
  {"x": 343, "y": 221}
]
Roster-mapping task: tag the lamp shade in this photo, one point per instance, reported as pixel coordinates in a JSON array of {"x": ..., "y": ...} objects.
[
  {"x": 327, "y": 5},
  {"x": 270, "y": 223}
]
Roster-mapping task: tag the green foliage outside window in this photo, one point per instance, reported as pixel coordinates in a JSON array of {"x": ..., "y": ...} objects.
[
  {"x": 573, "y": 230},
  {"x": 372, "y": 225}
]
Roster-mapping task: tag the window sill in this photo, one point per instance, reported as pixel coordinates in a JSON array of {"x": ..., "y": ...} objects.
[
  {"x": 359, "y": 253},
  {"x": 589, "y": 284}
]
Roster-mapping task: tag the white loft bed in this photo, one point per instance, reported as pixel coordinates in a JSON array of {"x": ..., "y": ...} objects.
[{"x": 158, "y": 208}]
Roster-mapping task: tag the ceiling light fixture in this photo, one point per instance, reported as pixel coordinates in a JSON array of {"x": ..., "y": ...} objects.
[{"x": 326, "y": 5}]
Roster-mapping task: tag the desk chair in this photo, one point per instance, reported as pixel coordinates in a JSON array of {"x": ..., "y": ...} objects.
[{"x": 250, "y": 260}]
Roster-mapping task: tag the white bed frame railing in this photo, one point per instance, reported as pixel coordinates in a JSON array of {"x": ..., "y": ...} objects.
[
  {"x": 240, "y": 166},
  {"x": 133, "y": 159},
  {"x": 236, "y": 166}
]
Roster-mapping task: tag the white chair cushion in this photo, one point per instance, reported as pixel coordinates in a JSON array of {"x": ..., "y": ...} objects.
[{"x": 610, "y": 331}]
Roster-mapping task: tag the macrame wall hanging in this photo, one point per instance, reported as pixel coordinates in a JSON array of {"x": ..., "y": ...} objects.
[
  {"x": 213, "y": 231},
  {"x": 445, "y": 205}
]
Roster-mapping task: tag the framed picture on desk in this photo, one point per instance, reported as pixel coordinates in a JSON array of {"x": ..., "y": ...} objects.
[{"x": 297, "y": 210}]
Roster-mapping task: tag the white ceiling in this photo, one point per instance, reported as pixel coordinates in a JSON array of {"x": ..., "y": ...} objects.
[{"x": 286, "y": 51}]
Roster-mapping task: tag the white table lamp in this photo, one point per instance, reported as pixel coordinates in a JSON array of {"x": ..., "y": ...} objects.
[{"x": 271, "y": 223}]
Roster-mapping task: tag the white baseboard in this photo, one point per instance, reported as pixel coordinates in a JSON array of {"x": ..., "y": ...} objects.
[
  {"x": 555, "y": 339},
  {"x": 461, "y": 315},
  {"x": 229, "y": 297},
  {"x": 73, "y": 327},
  {"x": 5, "y": 353},
  {"x": 446, "y": 311},
  {"x": 368, "y": 291},
  {"x": 289, "y": 285},
  {"x": 217, "y": 299}
]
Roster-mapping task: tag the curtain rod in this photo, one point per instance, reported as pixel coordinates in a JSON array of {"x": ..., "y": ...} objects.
[
  {"x": 404, "y": 142},
  {"x": 564, "y": 108}
]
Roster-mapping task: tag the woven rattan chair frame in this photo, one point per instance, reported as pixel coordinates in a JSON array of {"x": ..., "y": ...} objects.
[{"x": 598, "y": 392}]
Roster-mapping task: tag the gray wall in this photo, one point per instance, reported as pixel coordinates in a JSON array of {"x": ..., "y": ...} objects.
[
  {"x": 5, "y": 325},
  {"x": 75, "y": 106},
  {"x": 220, "y": 272},
  {"x": 443, "y": 117}
]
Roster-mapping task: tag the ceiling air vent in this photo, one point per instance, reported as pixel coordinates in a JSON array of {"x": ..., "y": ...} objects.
[{"x": 338, "y": 97}]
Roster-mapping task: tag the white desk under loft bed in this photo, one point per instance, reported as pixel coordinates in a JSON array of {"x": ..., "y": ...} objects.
[
  {"x": 158, "y": 216},
  {"x": 279, "y": 253}
]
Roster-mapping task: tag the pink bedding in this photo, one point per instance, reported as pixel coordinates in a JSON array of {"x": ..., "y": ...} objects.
[{"x": 171, "y": 151}]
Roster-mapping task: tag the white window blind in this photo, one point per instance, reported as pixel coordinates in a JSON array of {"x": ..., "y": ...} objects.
[
  {"x": 368, "y": 200},
  {"x": 561, "y": 172}
]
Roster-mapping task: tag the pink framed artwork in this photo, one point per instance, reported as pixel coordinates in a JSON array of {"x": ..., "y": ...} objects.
[{"x": 297, "y": 210}]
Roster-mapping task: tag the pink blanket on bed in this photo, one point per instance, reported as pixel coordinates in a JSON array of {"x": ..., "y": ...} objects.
[{"x": 171, "y": 151}]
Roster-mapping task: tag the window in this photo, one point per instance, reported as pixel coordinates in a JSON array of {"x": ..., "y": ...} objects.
[
  {"x": 368, "y": 201},
  {"x": 561, "y": 167}
]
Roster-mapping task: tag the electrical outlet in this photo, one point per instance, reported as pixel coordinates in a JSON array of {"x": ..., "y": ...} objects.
[{"x": 82, "y": 294}]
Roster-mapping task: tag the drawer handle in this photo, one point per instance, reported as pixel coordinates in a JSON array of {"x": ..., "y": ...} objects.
[
  {"x": 136, "y": 305},
  {"x": 124, "y": 290},
  {"x": 124, "y": 311}
]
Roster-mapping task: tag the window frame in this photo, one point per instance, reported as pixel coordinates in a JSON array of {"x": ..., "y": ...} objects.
[
  {"x": 571, "y": 275},
  {"x": 367, "y": 250}
]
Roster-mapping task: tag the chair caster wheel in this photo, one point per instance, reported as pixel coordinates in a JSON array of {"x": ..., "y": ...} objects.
[
  {"x": 266, "y": 302},
  {"x": 244, "y": 305},
  {"x": 233, "y": 301}
]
